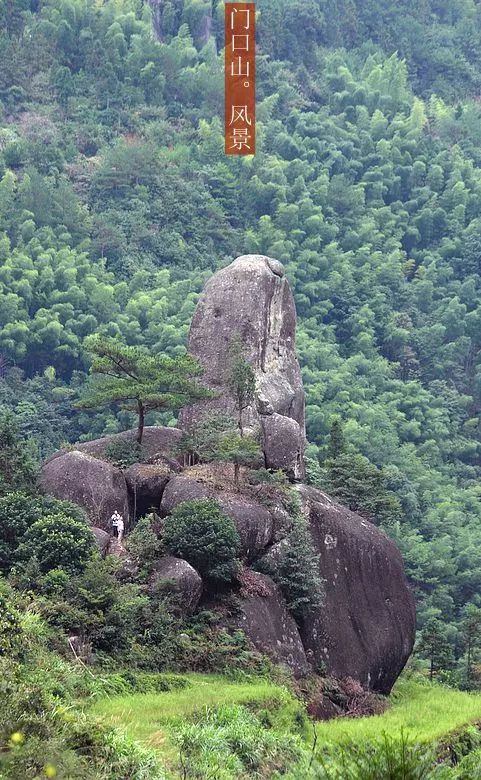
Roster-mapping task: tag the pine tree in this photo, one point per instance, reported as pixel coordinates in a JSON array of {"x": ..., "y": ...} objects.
[
  {"x": 435, "y": 646},
  {"x": 137, "y": 380},
  {"x": 239, "y": 450},
  {"x": 337, "y": 442},
  {"x": 356, "y": 482},
  {"x": 298, "y": 573},
  {"x": 17, "y": 459}
]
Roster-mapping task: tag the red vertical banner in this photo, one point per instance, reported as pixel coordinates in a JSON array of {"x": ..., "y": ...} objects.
[{"x": 240, "y": 78}]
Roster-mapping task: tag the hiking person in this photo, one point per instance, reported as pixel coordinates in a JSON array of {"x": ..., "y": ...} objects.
[
  {"x": 115, "y": 523},
  {"x": 120, "y": 528}
]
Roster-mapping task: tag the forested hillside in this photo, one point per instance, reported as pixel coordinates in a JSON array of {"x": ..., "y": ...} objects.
[{"x": 117, "y": 202}]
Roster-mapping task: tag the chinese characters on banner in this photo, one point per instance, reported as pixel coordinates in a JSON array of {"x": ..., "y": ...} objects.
[{"x": 240, "y": 78}]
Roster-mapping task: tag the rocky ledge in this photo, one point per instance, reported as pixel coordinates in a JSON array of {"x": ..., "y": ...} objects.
[{"x": 364, "y": 629}]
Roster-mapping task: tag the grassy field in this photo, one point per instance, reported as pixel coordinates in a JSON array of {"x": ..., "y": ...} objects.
[
  {"x": 425, "y": 712},
  {"x": 146, "y": 717}
]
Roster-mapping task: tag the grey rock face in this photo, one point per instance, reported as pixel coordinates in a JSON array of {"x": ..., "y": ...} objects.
[
  {"x": 269, "y": 626},
  {"x": 366, "y": 627},
  {"x": 181, "y": 489},
  {"x": 103, "y": 540},
  {"x": 254, "y": 523},
  {"x": 275, "y": 556},
  {"x": 179, "y": 576},
  {"x": 93, "y": 484},
  {"x": 251, "y": 298},
  {"x": 283, "y": 443},
  {"x": 128, "y": 569}
]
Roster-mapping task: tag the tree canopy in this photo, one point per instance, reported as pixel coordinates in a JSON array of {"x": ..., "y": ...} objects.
[{"x": 136, "y": 379}]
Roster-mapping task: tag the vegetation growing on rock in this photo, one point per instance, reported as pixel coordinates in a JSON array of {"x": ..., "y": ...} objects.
[{"x": 206, "y": 537}]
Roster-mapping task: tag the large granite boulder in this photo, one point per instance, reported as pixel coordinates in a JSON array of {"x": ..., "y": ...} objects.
[
  {"x": 251, "y": 298},
  {"x": 180, "y": 578},
  {"x": 282, "y": 443},
  {"x": 263, "y": 616},
  {"x": 254, "y": 522},
  {"x": 93, "y": 484},
  {"x": 366, "y": 627}
]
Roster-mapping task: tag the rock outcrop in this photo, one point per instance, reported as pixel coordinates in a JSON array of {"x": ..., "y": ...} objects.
[
  {"x": 102, "y": 539},
  {"x": 251, "y": 298},
  {"x": 264, "y": 618},
  {"x": 364, "y": 631},
  {"x": 180, "y": 578},
  {"x": 366, "y": 627},
  {"x": 156, "y": 440},
  {"x": 85, "y": 476},
  {"x": 96, "y": 486}
]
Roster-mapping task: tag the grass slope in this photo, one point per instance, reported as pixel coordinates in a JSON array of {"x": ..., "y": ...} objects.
[
  {"x": 425, "y": 712},
  {"x": 146, "y": 717},
  {"x": 422, "y": 713}
]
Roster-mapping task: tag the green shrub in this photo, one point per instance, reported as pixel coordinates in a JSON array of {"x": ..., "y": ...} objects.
[
  {"x": 264, "y": 476},
  {"x": 144, "y": 544},
  {"x": 58, "y": 542},
  {"x": 18, "y": 466},
  {"x": 202, "y": 442},
  {"x": 297, "y": 574},
  {"x": 206, "y": 537},
  {"x": 468, "y": 768},
  {"x": 10, "y": 628},
  {"x": 19, "y": 511},
  {"x": 210, "y": 648},
  {"x": 297, "y": 570},
  {"x": 41, "y": 730},
  {"x": 389, "y": 758},
  {"x": 230, "y": 742}
]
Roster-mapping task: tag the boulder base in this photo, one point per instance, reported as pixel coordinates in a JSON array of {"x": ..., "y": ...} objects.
[
  {"x": 180, "y": 577},
  {"x": 264, "y": 618},
  {"x": 366, "y": 627}
]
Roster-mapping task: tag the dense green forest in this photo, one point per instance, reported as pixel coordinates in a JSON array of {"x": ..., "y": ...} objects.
[{"x": 117, "y": 203}]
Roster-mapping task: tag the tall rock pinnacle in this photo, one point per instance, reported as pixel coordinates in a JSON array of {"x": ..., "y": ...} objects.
[{"x": 252, "y": 299}]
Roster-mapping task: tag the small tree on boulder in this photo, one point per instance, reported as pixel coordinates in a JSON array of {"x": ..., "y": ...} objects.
[
  {"x": 140, "y": 381},
  {"x": 239, "y": 450},
  {"x": 217, "y": 438},
  {"x": 240, "y": 379},
  {"x": 201, "y": 442}
]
